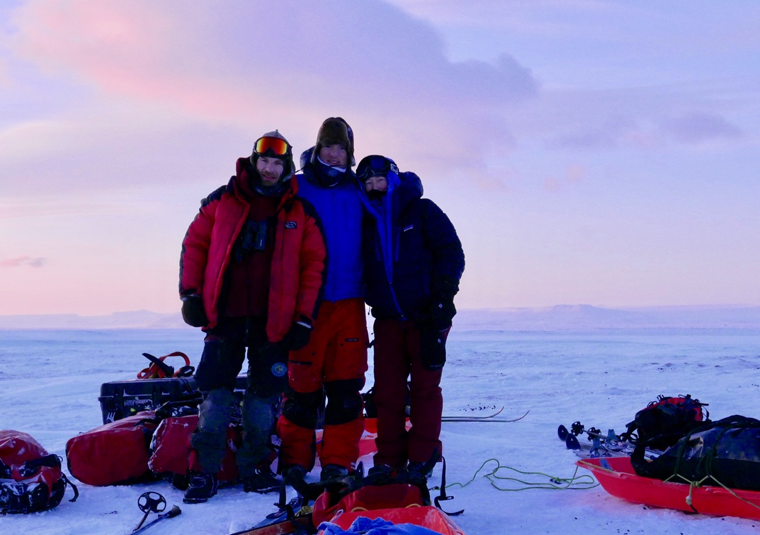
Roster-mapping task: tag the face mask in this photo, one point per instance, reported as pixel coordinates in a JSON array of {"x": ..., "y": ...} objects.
[{"x": 375, "y": 195}]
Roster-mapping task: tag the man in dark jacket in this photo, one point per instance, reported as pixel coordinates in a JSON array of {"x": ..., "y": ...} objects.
[
  {"x": 251, "y": 275},
  {"x": 413, "y": 261}
]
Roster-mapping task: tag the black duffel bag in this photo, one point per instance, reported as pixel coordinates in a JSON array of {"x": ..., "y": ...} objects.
[{"x": 721, "y": 453}]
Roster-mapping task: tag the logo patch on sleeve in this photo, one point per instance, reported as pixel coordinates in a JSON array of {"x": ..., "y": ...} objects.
[{"x": 291, "y": 224}]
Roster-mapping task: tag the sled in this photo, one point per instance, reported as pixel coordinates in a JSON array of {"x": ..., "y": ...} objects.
[
  {"x": 617, "y": 476},
  {"x": 427, "y": 516}
]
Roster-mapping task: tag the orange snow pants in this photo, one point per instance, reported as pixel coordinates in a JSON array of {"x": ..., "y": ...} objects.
[{"x": 332, "y": 365}]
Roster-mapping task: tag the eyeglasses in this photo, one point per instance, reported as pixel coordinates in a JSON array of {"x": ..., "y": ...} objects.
[
  {"x": 274, "y": 145},
  {"x": 375, "y": 166}
]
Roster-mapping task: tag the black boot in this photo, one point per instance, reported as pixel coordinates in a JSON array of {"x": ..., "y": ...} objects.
[
  {"x": 262, "y": 481},
  {"x": 333, "y": 471},
  {"x": 420, "y": 469},
  {"x": 201, "y": 487}
]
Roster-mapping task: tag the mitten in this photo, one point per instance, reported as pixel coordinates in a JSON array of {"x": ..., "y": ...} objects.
[
  {"x": 441, "y": 311},
  {"x": 298, "y": 336},
  {"x": 192, "y": 310},
  {"x": 433, "y": 347}
]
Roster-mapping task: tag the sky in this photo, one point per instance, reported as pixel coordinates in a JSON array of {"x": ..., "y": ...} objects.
[{"x": 587, "y": 151}]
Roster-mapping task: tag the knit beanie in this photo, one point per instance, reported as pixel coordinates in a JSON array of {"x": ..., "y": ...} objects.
[{"x": 335, "y": 131}]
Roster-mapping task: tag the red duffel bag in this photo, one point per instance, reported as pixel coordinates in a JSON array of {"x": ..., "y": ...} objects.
[
  {"x": 113, "y": 454},
  {"x": 172, "y": 455}
]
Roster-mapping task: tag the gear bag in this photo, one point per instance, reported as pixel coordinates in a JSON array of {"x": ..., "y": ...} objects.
[
  {"x": 724, "y": 453},
  {"x": 172, "y": 455},
  {"x": 663, "y": 422},
  {"x": 115, "y": 453},
  {"x": 30, "y": 478}
]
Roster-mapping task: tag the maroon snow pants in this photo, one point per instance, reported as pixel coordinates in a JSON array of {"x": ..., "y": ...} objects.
[{"x": 397, "y": 357}]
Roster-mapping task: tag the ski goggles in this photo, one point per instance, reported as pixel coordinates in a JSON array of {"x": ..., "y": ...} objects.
[
  {"x": 274, "y": 145},
  {"x": 375, "y": 166}
]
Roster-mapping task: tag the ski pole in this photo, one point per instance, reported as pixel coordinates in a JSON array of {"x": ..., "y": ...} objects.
[{"x": 174, "y": 511}]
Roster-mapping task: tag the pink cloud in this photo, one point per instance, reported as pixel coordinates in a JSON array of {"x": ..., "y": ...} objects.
[
  {"x": 244, "y": 63},
  {"x": 20, "y": 261}
]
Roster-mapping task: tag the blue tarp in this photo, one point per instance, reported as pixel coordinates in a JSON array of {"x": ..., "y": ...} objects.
[{"x": 377, "y": 526}]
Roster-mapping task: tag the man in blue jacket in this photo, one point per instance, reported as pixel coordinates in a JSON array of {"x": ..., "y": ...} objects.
[
  {"x": 413, "y": 261},
  {"x": 335, "y": 360}
]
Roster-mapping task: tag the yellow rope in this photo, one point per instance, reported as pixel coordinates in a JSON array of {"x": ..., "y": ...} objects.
[
  {"x": 698, "y": 484},
  {"x": 585, "y": 481}
]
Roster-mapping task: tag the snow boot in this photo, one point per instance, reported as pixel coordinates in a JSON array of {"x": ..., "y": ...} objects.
[
  {"x": 381, "y": 471},
  {"x": 262, "y": 481},
  {"x": 333, "y": 471},
  {"x": 201, "y": 487},
  {"x": 420, "y": 469}
]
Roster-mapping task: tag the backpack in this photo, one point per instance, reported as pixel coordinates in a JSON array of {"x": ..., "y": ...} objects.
[
  {"x": 30, "y": 478},
  {"x": 663, "y": 422},
  {"x": 725, "y": 453}
]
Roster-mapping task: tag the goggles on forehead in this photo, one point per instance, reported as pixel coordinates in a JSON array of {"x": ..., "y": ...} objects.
[
  {"x": 375, "y": 166},
  {"x": 273, "y": 145}
]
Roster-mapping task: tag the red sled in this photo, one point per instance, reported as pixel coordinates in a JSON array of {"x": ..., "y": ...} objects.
[
  {"x": 172, "y": 454},
  {"x": 617, "y": 476},
  {"x": 426, "y": 516},
  {"x": 113, "y": 454}
]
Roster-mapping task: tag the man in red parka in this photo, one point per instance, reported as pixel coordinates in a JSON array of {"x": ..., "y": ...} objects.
[{"x": 251, "y": 275}]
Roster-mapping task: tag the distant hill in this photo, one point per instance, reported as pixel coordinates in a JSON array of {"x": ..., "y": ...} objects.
[
  {"x": 138, "y": 319},
  {"x": 582, "y": 317},
  {"x": 555, "y": 318}
]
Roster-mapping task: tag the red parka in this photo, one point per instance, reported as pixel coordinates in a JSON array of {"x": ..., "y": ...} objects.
[{"x": 298, "y": 263}]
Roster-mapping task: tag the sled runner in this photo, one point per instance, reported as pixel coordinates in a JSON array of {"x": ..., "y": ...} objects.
[{"x": 617, "y": 476}]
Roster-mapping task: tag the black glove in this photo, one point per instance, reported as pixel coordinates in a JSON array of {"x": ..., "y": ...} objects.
[
  {"x": 298, "y": 336},
  {"x": 441, "y": 311},
  {"x": 433, "y": 347},
  {"x": 192, "y": 310}
]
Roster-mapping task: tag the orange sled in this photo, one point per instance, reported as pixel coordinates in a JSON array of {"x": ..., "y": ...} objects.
[
  {"x": 426, "y": 516},
  {"x": 617, "y": 476}
]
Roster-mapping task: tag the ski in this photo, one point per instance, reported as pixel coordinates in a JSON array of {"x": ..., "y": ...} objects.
[
  {"x": 484, "y": 417},
  {"x": 281, "y": 527},
  {"x": 291, "y": 517},
  {"x": 488, "y": 418}
]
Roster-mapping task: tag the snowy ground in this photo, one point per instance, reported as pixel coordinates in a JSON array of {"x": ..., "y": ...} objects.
[{"x": 50, "y": 381}]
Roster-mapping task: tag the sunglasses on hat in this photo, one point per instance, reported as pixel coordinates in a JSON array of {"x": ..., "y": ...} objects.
[
  {"x": 273, "y": 145},
  {"x": 375, "y": 166}
]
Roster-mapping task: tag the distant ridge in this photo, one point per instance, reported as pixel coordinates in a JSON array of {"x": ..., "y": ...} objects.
[
  {"x": 137, "y": 319},
  {"x": 585, "y": 317},
  {"x": 554, "y": 318}
]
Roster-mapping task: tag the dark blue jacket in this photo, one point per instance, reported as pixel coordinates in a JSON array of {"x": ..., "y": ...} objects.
[
  {"x": 409, "y": 248},
  {"x": 336, "y": 198}
]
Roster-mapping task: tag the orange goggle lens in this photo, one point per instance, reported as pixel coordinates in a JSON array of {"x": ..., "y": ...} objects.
[{"x": 277, "y": 146}]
